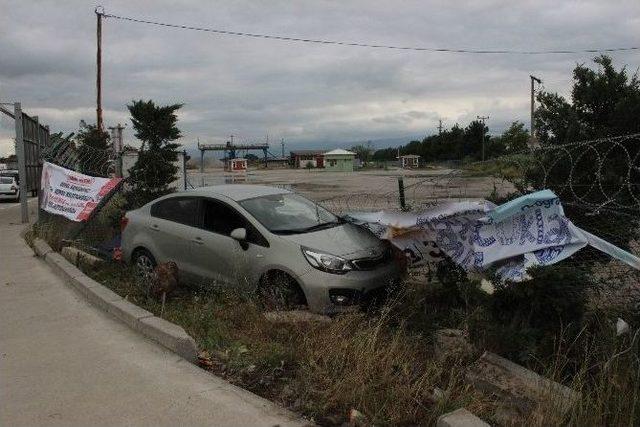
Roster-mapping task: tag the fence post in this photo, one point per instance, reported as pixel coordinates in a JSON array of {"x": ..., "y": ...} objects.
[
  {"x": 22, "y": 165},
  {"x": 201, "y": 167},
  {"x": 403, "y": 204},
  {"x": 39, "y": 143}
]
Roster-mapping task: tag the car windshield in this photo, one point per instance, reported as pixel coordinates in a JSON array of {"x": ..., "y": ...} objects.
[
  {"x": 290, "y": 214},
  {"x": 6, "y": 180}
]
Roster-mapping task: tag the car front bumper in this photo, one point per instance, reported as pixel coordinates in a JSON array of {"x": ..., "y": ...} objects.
[
  {"x": 319, "y": 285},
  {"x": 9, "y": 196}
]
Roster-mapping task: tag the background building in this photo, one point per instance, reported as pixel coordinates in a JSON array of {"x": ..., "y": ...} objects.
[
  {"x": 301, "y": 158},
  {"x": 339, "y": 160},
  {"x": 409, "y": 161},
  {"x": 235, "y": 165}
]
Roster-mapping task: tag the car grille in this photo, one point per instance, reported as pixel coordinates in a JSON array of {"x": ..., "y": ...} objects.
[{"x": 372, "y": 263}]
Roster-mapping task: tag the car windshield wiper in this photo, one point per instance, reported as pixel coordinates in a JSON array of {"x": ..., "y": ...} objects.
[{"x": 314, "y": 227}]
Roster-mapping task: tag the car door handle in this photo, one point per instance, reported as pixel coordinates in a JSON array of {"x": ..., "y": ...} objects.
[
  {"x": 198, "y": 240},
  {"x": 154, "y": 227}
]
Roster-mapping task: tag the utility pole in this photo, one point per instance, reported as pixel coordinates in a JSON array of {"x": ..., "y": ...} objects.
[
  {"x": 282, "y": 143},
  {"x": 99, "y": 11},
  {"x": 482, "y": 119},
  {"x": 116, "y": 145},
  {"x": 534, "y": 79},
  {"x": 439, "y": 126}
]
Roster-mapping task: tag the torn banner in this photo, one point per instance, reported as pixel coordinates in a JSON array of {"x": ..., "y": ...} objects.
[{"x": 527, "y": 231}]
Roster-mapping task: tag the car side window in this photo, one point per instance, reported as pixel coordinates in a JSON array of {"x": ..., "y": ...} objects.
[
  {"x": 223, "y": 219},
  {"x": 183, "y": 210}
]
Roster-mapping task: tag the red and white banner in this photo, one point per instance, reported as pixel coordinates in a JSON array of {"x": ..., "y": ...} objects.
[{"x": 72, "y": 194}]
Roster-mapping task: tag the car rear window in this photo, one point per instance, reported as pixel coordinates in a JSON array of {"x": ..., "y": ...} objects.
[{"x": 184, "y": 210}]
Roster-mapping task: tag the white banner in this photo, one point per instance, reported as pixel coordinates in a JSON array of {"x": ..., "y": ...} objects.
[
  {"x": 72, "y": 194},
  {"x": 527, "y": 231}
]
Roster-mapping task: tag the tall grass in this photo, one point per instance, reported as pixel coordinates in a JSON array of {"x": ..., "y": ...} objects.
[{"x": 381, "y": 362}]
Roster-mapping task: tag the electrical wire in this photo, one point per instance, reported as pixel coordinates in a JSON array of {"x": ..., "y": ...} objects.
[{"x": 100, "y": 11}]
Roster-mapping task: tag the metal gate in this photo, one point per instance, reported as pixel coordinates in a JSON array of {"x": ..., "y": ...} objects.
[{"x": 31, "y": 139}]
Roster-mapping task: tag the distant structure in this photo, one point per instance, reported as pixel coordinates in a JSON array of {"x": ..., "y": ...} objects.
[
  {"x": 339, "y": 160},
  {"x": 235, "y": 165},
  {"x": 301, "y": 158},
  {"x": 409, "y": 161},
  {"x": 230, "y": 151}
]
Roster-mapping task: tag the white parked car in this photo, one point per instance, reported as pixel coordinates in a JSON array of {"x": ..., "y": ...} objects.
[
  {"x": 9, "y": 189},
  {"x": 260, "y": 236}
]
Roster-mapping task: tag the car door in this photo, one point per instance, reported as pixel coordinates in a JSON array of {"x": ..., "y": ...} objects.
[
  {"x": 173, "y": 225},
  {"x": 220, "y": 257}
]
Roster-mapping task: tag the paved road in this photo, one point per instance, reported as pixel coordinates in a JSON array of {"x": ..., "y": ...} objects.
[{"x": 65, "y": 363}]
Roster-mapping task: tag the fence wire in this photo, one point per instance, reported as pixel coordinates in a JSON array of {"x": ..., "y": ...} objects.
[{"x": 597, "y": 181}]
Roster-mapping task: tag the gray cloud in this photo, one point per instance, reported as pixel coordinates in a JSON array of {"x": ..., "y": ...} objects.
[{"x": 307, "y": 94}]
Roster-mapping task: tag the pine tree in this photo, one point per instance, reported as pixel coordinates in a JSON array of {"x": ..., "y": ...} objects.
[
  {"x": 93, "y": 150},
  {"x": 154, "y": 171}
]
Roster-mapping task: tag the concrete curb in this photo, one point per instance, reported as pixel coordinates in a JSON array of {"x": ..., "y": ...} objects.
[
  {"x": 159, "y": 330},
  {"x": 460, "y": 418}
]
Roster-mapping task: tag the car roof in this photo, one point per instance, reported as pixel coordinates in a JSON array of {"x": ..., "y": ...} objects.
[{"x": 237, "y": 192}]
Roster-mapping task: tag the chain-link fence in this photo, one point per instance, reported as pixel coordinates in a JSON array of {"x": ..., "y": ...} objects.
[{"x": 598, "y": 183}]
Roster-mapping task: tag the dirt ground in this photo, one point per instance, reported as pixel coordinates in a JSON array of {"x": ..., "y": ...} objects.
[{"x": 364, "y": 189}]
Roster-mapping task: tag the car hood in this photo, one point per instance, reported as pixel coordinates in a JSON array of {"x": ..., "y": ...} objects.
[{"x": 346, "y": 240}]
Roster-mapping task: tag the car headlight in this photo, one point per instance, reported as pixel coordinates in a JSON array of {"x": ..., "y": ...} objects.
[{"x": 327, "y": 262}]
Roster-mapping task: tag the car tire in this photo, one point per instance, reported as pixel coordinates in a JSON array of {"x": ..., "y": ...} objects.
[
  {"x": 144, "y": 264},
  {"x": 279, "y": 291}
]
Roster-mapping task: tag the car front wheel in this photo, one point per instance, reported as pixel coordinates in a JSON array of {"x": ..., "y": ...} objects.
[{"x": 144, "y": 264}]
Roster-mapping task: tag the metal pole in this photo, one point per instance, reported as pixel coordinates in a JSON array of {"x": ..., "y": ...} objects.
[
  {"x": 533, "y": 101},
  {"x": 99, "y": 123},
  {"x": 39, "y": 168},
  {"x": 482, "y": 118},
  {"x": 403, "y": 203},
  {"x": 22, "y": 166},
  {"x": 184, "y": 168},
  {"x": 531, "y": 126},
  {"x": 201, "y": 168}
]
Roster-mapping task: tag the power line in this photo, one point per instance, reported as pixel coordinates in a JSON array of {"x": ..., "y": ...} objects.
[{"x": 100, "y": 11}]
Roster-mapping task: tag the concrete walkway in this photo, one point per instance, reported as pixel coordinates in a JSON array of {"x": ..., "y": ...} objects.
[{"x": 63, "y": 362}]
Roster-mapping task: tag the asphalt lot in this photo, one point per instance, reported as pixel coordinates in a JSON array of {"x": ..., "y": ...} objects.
[{"x": 372, "y": 188}]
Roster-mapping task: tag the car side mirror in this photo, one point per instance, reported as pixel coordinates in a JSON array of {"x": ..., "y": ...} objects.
[{"x": 239, "y": 234}]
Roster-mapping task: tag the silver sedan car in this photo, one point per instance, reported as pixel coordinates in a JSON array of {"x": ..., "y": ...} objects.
[{"x": 253, "y": 235}]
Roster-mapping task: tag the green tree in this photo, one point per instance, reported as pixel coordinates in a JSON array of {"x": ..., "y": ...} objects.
[
  {"x": 155, "y": 169},
  {"x": 93, "y": 150},
  {"x": 604, "y": 102},
  {"x": 515, "y": 138},
  {"x": 385, "y": 154},
  {"x": 474, "y": 136},
  {"x": 363, "y": 152}
]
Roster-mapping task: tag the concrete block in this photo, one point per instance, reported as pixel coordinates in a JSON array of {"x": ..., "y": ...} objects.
[
  {"x": 78, "y": 257},
  {"x": 41, "y": 247},
  {"x": 519, "y": 390},
  {"x": 101, "y": 297},
  {"x": 83, "y": 282},
  {"x": 62, "y": 267},
  {"x": 460, "y": 418},
  {"x": 169, "y": 335},
  {"x": 128, "y": 313}
]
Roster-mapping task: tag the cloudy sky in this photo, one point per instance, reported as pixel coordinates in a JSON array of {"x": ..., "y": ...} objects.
[{"x": 310, "y": 95}]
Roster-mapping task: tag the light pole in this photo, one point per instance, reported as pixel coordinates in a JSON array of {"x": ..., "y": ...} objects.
[
  {"x": 533, "y": 101},
  {"x": 482, "y": 119}
]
